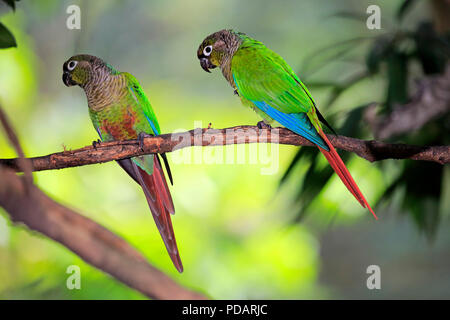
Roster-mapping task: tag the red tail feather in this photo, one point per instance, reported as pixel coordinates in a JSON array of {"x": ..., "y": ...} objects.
[
  {"x": 161, "y": 205},
  {"x": 339, "y": 167}
]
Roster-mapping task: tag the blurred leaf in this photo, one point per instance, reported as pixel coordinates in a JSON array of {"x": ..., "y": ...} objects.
[
  {"x": 291, "y": 166},
  {"x": 404, "y": 8},
  {"x": 352, "y": 124},
  {"x": 378, "y": 52},
  {"x": 320, "y": 58},
  {"x": 341, "y": 88},
  {"x": 433, "y": 50},
  {"x": 11, "y": 3},
  {"x": 321, "y": 84},
  {"x": 6, "y": 38},
  {"x": 313, "y": 182},
  {"x": 397, "y": 76},
  {"x": 422, "y": 181}
]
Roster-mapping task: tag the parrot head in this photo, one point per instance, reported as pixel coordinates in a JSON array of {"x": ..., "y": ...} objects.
[
  {"x": 216, "y": 48},
  {"x": 81, "y": 69}
]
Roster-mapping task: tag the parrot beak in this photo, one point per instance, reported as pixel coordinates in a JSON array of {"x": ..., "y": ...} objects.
[
  {"x": 206, "y": 64},
  {"x": 67, "y": 79}
]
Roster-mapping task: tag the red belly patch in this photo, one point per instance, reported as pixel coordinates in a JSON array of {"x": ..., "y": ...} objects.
[{"x": 121, "y": 128}]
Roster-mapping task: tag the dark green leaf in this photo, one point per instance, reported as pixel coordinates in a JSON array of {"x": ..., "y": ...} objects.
[
  {"x": 314, "y": 181},
  {"x": 397, "y": 67},
  {"x": 432, "y": 49},
  {"x": 6, "y": 38},
  {"x": 352, "y": 124},
  {"x": 422, "y": 181},
  {"x": 381, "y": 47},
  {"x": 11, "y": 3}
]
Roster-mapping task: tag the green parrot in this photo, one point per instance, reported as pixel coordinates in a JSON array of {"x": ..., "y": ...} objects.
[
  {"x": 119, "y": 110},
  {"x": 269, "y": 86}
]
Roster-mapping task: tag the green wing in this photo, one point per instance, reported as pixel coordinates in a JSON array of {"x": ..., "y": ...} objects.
[
  {"x": 146, "y": 162},
  {"x": 265, "y": 80},
  {"x": 143, "y": 103},
  {"x": 262, "y": 75}
]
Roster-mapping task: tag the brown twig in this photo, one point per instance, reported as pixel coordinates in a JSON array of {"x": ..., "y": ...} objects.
[
  {"x": 22, "y": 163},
  {"x": 370, "y": 150}
]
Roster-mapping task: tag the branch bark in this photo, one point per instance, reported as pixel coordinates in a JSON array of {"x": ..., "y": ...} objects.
[{"x": 370, "y": 150}]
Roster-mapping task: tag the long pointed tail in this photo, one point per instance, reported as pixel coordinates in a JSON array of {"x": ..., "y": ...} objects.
[
  {"x": 161, "y": 206},
  {"x": 339, "y": 167}
]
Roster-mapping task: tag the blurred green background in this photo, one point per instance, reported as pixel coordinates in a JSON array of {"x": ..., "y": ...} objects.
[{"x": 237, "y": 230}]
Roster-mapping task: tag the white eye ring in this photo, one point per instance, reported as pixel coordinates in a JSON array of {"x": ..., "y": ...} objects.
[
  {"x": 71, "y": 65},
  {"x": 207, "y": 51}
]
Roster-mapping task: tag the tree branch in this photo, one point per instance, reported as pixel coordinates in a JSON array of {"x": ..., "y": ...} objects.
[
  {"x": 370, "y": 150},
  {"x": 89, "y": 240},
  {"x": 431, "y": 101}
]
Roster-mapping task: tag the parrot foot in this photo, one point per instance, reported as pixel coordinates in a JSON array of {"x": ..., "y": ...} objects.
[
  {"x": 96, "y": 143},
  {"x": 262, "y": 125},
  {"x": 141, "y": 138}
]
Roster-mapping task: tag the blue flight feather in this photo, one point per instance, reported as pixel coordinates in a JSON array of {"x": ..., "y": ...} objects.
[
  {"x": 152, "y": 125},
  {"x": 297, "y": 122}
]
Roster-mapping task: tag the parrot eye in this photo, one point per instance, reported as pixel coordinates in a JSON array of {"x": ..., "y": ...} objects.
[
  {"x": 71, "y": 65},
  {"x": 207, "y": 50}
]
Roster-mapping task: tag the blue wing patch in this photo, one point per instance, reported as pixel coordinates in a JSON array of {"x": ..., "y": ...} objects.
[
  {"x": 152, "y": 125},
  {"x": 297, "y": 122},
  {"x": 99, "y": 133}
]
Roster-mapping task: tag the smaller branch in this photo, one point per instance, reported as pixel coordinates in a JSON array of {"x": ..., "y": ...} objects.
[
  {"x": 370, "y": 150},
  {"x": 22, "y": 163},
  {"x": 431, "y": 101}
]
